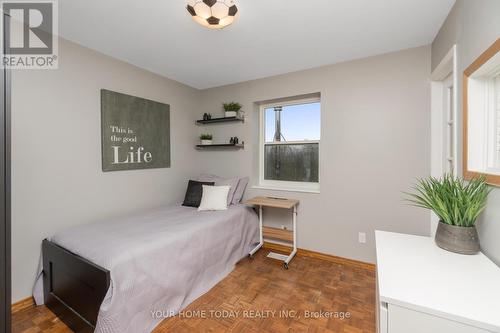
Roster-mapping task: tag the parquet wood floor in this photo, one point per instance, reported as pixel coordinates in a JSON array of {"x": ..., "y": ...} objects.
[{"x": 245, "y": 300}]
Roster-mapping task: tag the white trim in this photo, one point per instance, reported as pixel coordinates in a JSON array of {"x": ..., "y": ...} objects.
[
  {"x": 274, "y": 143},
  {"x": 283, "y": 188},
  {"x": 292, "y": 102},
  {"x": 447, "y": 67},
  {"x": 284, "y": 185},
  {"x": 449, "y": 153},
  {"x": 300, "y": 186},
  {"x": 455, "y": 108}
]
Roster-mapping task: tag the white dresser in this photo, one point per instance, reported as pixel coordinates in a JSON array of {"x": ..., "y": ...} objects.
[{"x": 424, "y": 289}]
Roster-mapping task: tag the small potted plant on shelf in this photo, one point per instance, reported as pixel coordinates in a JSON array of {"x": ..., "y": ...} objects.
[
  {"x": 458, "y": 204},
  {"x": 231, "y": 109},
  {"x": 206, "y": 139}
]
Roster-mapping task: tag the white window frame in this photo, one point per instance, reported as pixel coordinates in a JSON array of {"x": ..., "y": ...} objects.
[
  {"x": 487, "y": 93},
  {"x": 282, "y": 185},
  {"x": 496, "y": 107},
  {"x": 491, "y": 126}
]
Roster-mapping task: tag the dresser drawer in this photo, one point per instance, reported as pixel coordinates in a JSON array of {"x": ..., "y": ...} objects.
[{"x": 402, "y": 320}]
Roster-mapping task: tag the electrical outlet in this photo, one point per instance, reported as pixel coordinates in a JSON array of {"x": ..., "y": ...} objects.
[{"x": 362, "y": 237}]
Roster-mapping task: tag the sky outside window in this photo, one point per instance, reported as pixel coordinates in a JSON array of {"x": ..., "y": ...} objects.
[{"x": 298, "y": 122}]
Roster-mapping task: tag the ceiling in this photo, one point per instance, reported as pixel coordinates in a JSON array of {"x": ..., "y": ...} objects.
[{"x": 270, "y": 37}]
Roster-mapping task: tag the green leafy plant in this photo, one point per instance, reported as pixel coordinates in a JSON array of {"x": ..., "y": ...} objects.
[
  {"x": 455, "y": 201},
  {"x": 233, "y": 106},
  {"x": 206, "y": 137}
]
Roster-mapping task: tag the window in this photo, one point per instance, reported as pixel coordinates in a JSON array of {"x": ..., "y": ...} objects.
[
  {"x": 289, "y": 145},
  {"x": 484, "y": 120}
]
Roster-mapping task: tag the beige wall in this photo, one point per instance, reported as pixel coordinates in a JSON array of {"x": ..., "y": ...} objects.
[
  {"x": 56, "y": 151},
  {"x": 375, "y": 142},
  {"x": 375, "y": 139},
  {"x": 448, "y": 34},
  {"x": 473, "y": 26}
]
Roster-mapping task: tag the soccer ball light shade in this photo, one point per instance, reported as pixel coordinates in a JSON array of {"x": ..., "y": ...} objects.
[{"x": 213, "y": 14}]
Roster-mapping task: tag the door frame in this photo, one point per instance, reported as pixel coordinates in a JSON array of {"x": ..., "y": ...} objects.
[
  {"x": 439, "y": 84},
  {"x": 5, "y": 214}
]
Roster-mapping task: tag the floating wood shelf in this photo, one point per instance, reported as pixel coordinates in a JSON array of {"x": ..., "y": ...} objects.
[
  {"x": 278, "y": 234},
  {"x": 219, "y": 120},
  {"x": 221, "y": 145}
]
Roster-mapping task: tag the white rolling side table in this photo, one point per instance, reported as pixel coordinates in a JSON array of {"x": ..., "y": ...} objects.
[{"x": 282, "y": 203}]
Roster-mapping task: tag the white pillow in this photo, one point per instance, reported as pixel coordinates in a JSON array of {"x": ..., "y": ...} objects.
[
  {"x": 214, "y": 198},
  {"x": 219, "y": 181}
]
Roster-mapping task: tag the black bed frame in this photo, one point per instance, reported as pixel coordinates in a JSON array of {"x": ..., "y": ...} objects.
[{"x": 74, "y": 287}]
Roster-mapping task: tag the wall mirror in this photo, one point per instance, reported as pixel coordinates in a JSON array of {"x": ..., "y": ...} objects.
[{"x": 481, "y": 107}]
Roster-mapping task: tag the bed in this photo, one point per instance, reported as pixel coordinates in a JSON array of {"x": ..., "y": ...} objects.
[{"x": 128, "y": 274}]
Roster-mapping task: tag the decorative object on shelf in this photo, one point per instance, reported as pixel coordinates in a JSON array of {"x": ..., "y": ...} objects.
[
  {"x": 234, "y": 140},
  {"x": 206, "y": 139},
  {"x": 213, "y": 14},
  {"x": 231, "y": 109},
  {"x": 457, "y": 204},
  {"x": 205, "y": 116}
]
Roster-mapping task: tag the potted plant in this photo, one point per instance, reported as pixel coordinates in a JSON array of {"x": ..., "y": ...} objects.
[
  {"x": 206, "y": 139},
  {"x": 458, "y": 204},
  {"x": 231, "y": 109}
]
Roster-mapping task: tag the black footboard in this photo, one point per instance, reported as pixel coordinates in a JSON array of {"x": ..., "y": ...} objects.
[{"x": 74, "y": 287}]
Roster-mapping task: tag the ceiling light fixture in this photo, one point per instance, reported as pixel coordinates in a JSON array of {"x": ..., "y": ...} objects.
[{"x": 213, "y": 14}]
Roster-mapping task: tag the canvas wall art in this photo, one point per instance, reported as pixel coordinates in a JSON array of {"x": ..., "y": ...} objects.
[{"x": 135, "y": 132}]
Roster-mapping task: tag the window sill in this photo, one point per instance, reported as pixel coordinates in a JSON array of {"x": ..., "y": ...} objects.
[{"x": 286, "y": 189}]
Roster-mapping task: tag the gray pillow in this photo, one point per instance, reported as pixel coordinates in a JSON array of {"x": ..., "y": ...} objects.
[
  {"x": 240, "y": 190},
  {"x": 219, "y": 181}
]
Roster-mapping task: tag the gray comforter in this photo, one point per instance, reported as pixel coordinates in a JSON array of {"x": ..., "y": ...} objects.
[{"x": 160, "y": 260}]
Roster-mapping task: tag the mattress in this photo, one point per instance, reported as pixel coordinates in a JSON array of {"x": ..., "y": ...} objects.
[{"x": 160, "y": 260}]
